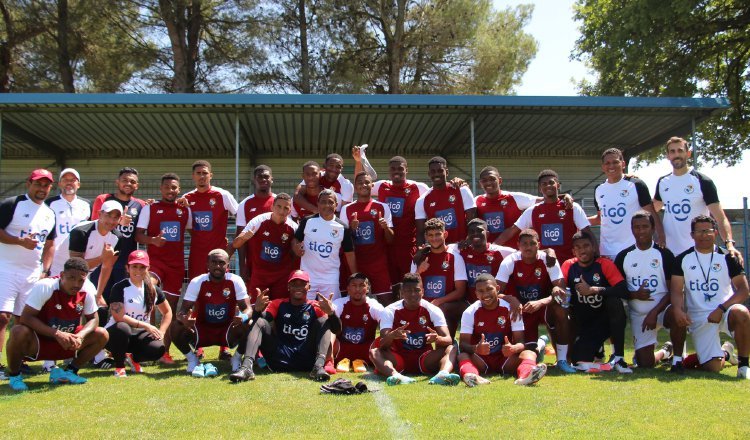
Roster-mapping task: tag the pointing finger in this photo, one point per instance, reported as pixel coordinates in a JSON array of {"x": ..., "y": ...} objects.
[{"x": 482, "y": 341}]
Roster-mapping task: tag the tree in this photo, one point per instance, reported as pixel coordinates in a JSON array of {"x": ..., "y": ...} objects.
[
  {"x": 16, "y": 28},
  {"x": 674, "y": 48}
]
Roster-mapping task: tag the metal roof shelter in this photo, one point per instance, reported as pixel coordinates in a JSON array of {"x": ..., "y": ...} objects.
[{"x": 180, "y": 125}]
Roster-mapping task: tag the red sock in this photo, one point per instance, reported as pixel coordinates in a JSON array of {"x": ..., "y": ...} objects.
[
  {"x": 466, "y": 366},
  {"x": 525, "y": 368},
  {"x": 690, "y": 361}
]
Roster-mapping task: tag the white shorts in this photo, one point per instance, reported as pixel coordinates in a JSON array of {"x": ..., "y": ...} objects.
[
  {"x": 324, "y": 289},
  {"x": 14, "y": 288},
  {"x": 644, "y": 339},
  {"x": 706, "y": 337}
]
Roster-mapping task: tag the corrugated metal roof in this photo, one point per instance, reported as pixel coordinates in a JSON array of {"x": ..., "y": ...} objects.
[{"x": 119, "y": 125}]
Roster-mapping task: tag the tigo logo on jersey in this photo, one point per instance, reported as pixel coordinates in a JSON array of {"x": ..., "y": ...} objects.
[
  {"x": 495, "y": 221},
  {"x": 397, "y": 206},
  {"x": 271, "y": 252},
  {"x": 473, "y": 272},
  {"x": 170, "y": 231},
  {"x": 528, "y": 293},
  {"x": 651, "y": 282},
  {"x": 552, "y": 234},
  {"x": 354, "y": 335},
  {"x": 680, "y": 210},
  {"x": 448, "y": 216},
  {"x": 216, "y": 313},
  {"x": 434, "y": 286},
  {"x": 324, "y": 250},
  {"x": 616, "y": 214},
  {"x": 299, "y": 334},
  {"x": 365, "y": 233},
  {"x": 203, "y": 220}
]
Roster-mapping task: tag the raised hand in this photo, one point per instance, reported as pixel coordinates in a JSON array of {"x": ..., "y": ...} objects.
[
  {"x": 159, "y": 240},
  {"x": 29, "y": 242},
  {"x": 261, "y": 300},
  {"x": 382, "y": 221},
  {"x": 325, "y": 304},
  {"x": 400, "y": 332},
  {"x": 109, "y": 255},
  {"x": 354, "y": 222},
  {"x": 431, "y": 336},
  {"x": 483, "y": 347},
  {"x": 584, "y": 288},
  {"x": 507, "y": 348},
  {"x": 642, "y": 294}
]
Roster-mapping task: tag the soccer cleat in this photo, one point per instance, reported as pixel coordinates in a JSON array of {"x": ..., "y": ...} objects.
[
  {"x": 120, "y": 372},
  {"x": 320, "y": 374},
  {"x": 541, "y": 348},
  {"x": 224, "y": 354},
  {"x": 47, "y": 366},
  {"x": 359, "y": 366},
  {"x": 443, "y": 378},
  {"x": 243, "y": 374},
  {"x": 236, "y": 361},
  {"x": 565, "y": 367},
  {"x": 261, "y": 361},
  {"x": 60, "y": 376},
  {"x": 192, "y": 361},
  {"x": 668, "y": 349},
  {"x": 135, "y": 367},
  {"x": 732, "y": 356},
  {"x": 743, "y": 373},
  {"x": 621, "y": 366},
  {"x": 166, "y": 359},
  {"x": 17, "y": 384},
  {"x": 343, "y": 365},
  {"x": 209, "y": 370},
  {"x": 199, "y": 371},
  {"x": 104, "y": 364},
  {"x": 471, "y": 380},
  {"x": 677, "y": 368},
  {"x": 534, "y": 375},
  {"x": 592, "y": 367},
  {"x": 330, "y": 369},
  {"x": 398, "y": 379}
]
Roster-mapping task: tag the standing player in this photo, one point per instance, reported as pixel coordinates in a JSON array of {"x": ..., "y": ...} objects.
[
  {"x": 69, "y": 210},
  {"x": 500, "y": 209},
  {"x": 213, "y": 299},
  {"x": 525, "y": 275},
  {"x": 50, "y": 326},
  {"x": 552, "y": 219},
  {"x": 685, "y": 194},
  {"x": 293, "y": 333},
  {"x": 710, "y": 284},
  {"x": 485, "y": 327},
  {"x": 597, "y": 289},
  {"x": 126, "y": 185},
  {"x": 259, "y": 202},
  {"x": 454, "y": 206},
  {"x": 270, "y": 254},
  {"x": 408, "y": 330},
  {"x": 330, "y": 178},
  {"x": 616, "y": 200},
  {"x": 443, "y": 274},
  {"x": 317, "y": 242},
  {"x": 308, "y": 192},
  {"x": 479, "y": 256},
  {"x": 161, "y": 226},
  {"x": 371, "y": 225},
  {"x": 359, "y": 317},
  {"x": 647, "y": 268},
  {"x": 27, "y": 234}
]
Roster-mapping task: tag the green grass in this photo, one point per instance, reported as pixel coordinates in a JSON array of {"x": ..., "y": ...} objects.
[{"x": 166, "y": 403}]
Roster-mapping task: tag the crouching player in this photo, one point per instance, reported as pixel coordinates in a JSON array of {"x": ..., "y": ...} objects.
[
  {"x": 50, "y": 326},
  {"x": 525, "y": 275},
  {"x": 408, "y": 348},
  {"x": 359, "y": 317},
  {"x": 213, "y": 299},
  {"x": 294, "y": 333},
  {"x": 485, "y": 346}
]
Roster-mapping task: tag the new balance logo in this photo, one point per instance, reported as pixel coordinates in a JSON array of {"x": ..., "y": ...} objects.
[
  {"x": 26, "y": 215},
  {"x": 693, "y": 267},
  {"x": 601, "y": 196},
  {"x": 287, "y": 315},
  {"x": 635, "y": 264}
]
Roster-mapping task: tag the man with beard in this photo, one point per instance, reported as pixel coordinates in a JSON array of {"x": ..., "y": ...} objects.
[{"x": 70, "y": 210}]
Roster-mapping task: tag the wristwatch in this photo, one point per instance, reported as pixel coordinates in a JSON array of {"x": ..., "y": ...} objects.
[
  {"x": 722, "y": 308},
  {"x": 726, "y": 242}
]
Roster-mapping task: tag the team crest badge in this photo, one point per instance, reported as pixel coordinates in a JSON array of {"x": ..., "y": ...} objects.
[
  {"x": 689, "y": 189},
  {"x": 208, "y": 294},
  {"x": 422, "y": 320},
  {"x": 79, "y": 307},
  {"x": 537, "y": 272},
  {"x": 334, "y": 233},
  {"x": 179, "y": 212},
  {"x": 561, "y": 213},
  {"x": 503, "y": 202},
  {"x": 501, "y": 320},
  {"x": 596, "y": 278},
  {"x": 365, "y": 318},
  {"x": 212, "y": 202},
  {"x": 226, "y": 292},
  {"x": 58, "y": 306},
  {"x": 133, "y": 211},
  {"x": 266, "y": 233},
  {"x": 490, "y": 258},
  {"x": 519, "y": 274},
  {"x": 452, "y": 198},
  {"x": 716, "y": 267},
  {"x": 402, "y": 322},
  {"x": 624, "y": 193},
  {"x": 374, "y": 212},
  {"x": 305, "y": 315},
  {"x": 445, "y": 265},
  {"x": 407, "y": 191},
  {"x": 654, "y": 263},
  {"x": 284, "y": 236}
]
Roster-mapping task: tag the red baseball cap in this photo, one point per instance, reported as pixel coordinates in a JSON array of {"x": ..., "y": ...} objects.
[
  {"x": 299, "y": 275},
  {"x": 139, "y": 257},
  {"x": 41, "y": 173}
]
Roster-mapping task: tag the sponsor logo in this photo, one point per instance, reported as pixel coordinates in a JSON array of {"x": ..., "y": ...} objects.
[
  {"x": 528, "y": 293},
  {"x": 396, "y": 204},
  {"x": 365, "y": 233},
  {"x": 552, "y": 234},
  {"x": 652, "y": 282},
  {"x": 161, "y": 211},
  {"x": 203, "y": 220},
  {"x": 414, "y": 341},
  {"x": 299, "y": 334},
  {"x": 434, "y": 286},
  {"x": 615, "y": 214},
  {"x": 448, "y": 216},
  {"x": 495, "y": 221},
  {"x": 170, "y": 231},
  {"x": 271, "y": 252},
  {"x": 680, "y": 209},
  {"x": 473, "y": 271},
  {"x": 354, "y": 335},
  {"x": 324, "y": 250},
  {"x": 593, "y": 301},
  {"x": 217, "y": 313},
  {"x": 709, "y": 288}
]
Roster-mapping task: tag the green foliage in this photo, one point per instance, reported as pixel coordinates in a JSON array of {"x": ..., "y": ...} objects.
[{"x": 674, "y": 48}]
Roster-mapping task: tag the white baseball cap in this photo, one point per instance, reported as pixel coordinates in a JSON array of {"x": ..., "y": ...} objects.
[
  {"x": 111, "y": 205},
  {"x": 71, "y": 171}
]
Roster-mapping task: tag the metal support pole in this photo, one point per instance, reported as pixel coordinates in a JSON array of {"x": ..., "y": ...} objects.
[
  {"x": 745, "y": 221},
  {"x": 695, "y": 143},
  {"x": 237, "y": 156},
  {"x": 1, "y": 143},
  {"x": 473, "y": 160}
]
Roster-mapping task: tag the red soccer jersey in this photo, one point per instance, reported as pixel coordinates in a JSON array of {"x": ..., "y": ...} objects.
[
  {"x": 270, "y": 248},
  {"x": 501, "y": 212},
  {"x": 401, "y": 200},
  {"x": 448, "y": 204},
  {"x": 170, "y": 220},
  {"x": 529, "y": 281},
  {"x": 302, "y": 212},
  {"x": 494, "y": 324},
  {"x": 210, "y": 211},
  {"x": 418, "y": 321},
  {"x": 445, "y": 268},
  {"x": 477, "y": 263},
  {"x": 359, "y": 323},
  {"x": 215, "y": 303},
  {"x": 555, "y": 226},
  {"x": 252, "y": 206},
  {"x": 369, "y": 238},
  {"x": 62, "y": 311}
]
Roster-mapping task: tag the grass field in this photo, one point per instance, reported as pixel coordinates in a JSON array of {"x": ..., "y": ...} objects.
[{"x": 166, "y": 403}]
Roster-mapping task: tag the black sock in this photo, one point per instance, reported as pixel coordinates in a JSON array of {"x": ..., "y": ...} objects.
[
  {"x": 72, "y": 368},
  {"x": 742, "y": 361},
  {"x": 726, "y": 356}
]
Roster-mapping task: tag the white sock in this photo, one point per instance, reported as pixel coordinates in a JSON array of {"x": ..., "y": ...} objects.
[
  {"x": 100, "y": 356},
  {"x": 540, "y": 345},
  {"x": 562, "y": 352},
  {"x": 616, "y": 359},
  {"x": 192, "y": 357},
  {"x": 676, "y": 359}
]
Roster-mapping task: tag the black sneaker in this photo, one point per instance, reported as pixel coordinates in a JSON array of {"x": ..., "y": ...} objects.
[
  {"x": 26, "y": 369},
  {"x": 669, "y": 349},
  {"x": 677, "y": 368},
  {"x": 242, "y": 375},
  {"x": 319, "y": 373},
  {"x": 104, "y": 364}
]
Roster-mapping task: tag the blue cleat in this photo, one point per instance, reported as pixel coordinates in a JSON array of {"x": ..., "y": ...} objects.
[
  {"x": 60, "y": 376},
  {"x": 565, "y": 367},
  {"x": 16, "y": 383},
  {"x": 445, "y": 379}
]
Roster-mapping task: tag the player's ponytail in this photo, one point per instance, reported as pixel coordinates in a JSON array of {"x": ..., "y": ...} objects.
[{"x": 149, "y": 294}]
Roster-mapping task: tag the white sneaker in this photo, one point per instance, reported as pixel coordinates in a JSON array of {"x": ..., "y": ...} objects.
[
  {"x": 621, "y": 366},
  {"x": 472, "y": 380},
  {"x": 236, "y": 361},
  {"x": 743, "y": 373},
  {"x": 729, "y": 348},
  {"x": 192, "y": 361},
  {"x": 534, "y": 375}
]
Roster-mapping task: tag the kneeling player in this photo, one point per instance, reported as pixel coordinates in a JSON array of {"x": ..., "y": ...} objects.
[
  {"x": 213, "y": 298},
  {"x": 294, "y": 333},
  {"x": 50, "y": 326},
  {"x": 525, "y": 275},
  {"x": 484, "y": 342},
  {"x": 409, "y": 347},
  {"x": 359, "y": 317}
]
